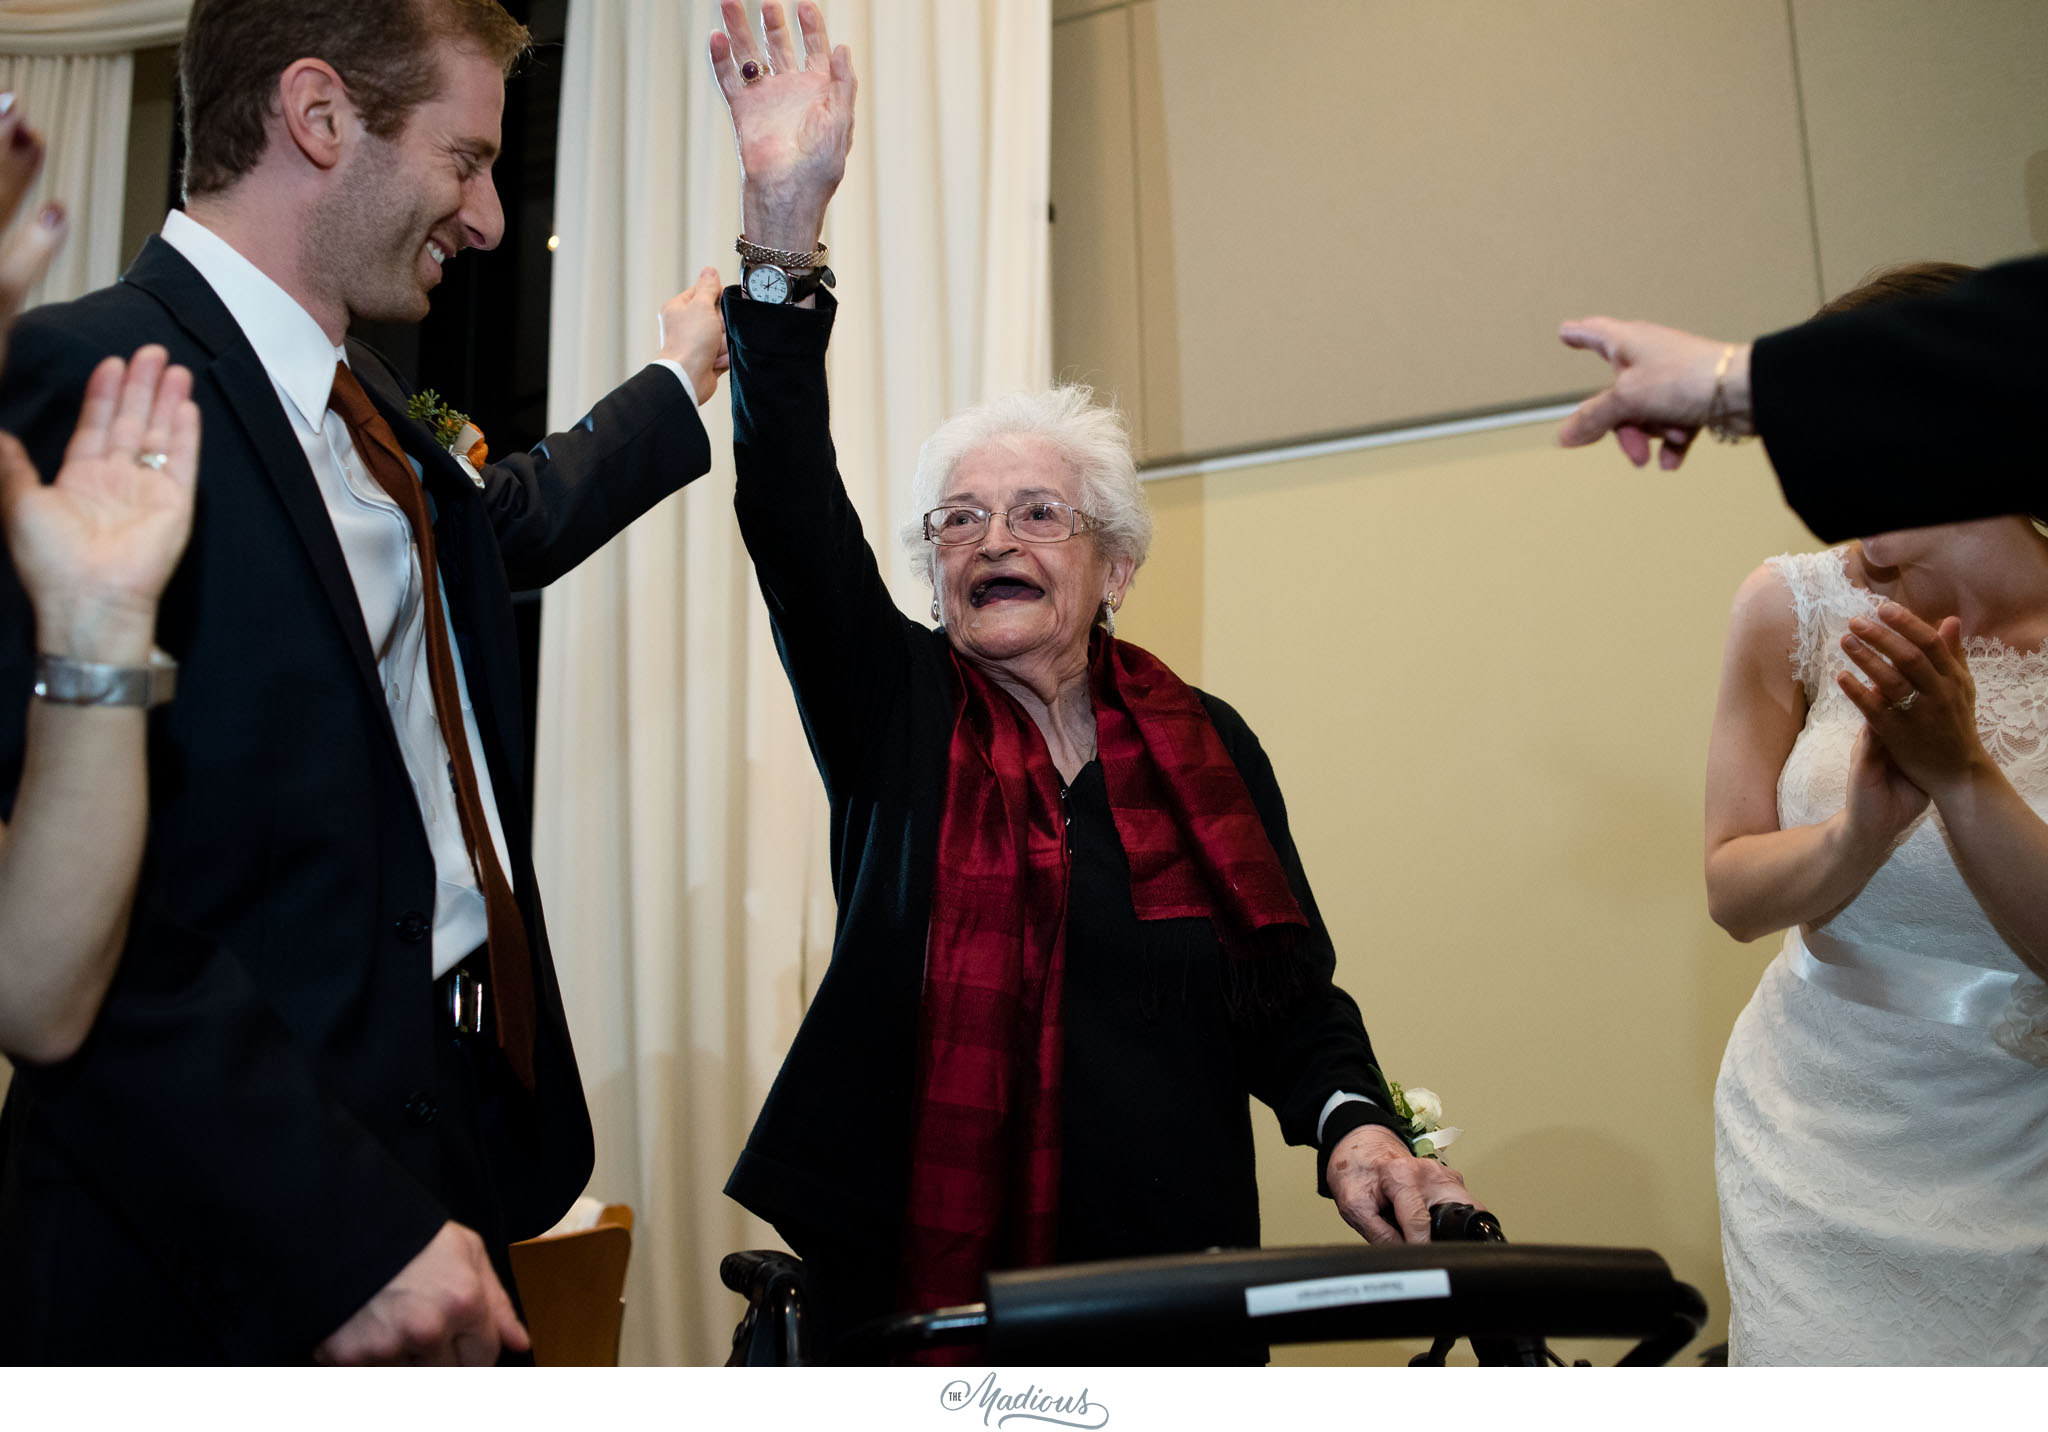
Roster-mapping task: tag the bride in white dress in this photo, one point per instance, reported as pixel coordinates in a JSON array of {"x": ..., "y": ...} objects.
[{"x": 1877, "y": 782}]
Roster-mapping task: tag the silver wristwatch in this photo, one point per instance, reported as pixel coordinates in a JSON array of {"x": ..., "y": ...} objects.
[
  {"x": 95, "y": 683},
  {"x": 771, "y": 283},
  {"x": 781, "y": 275}
]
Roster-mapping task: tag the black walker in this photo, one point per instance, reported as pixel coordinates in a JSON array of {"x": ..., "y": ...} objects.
[{"x": 1470, "y": 1283}]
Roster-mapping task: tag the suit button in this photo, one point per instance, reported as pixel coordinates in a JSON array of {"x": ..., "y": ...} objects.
[
  {"x": 420, "y": 1111},
  {"x": 412, "y": 926}
]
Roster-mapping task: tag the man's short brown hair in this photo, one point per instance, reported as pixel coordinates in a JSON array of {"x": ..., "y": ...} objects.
[
  {"x": 1919, "y": 280},
  {"x": 384, "y": 51}
]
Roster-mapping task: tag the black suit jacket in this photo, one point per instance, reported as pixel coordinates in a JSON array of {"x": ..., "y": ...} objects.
[
  {"x": 1913, "y": 413},
  {"x": 245, "y": 1149}
]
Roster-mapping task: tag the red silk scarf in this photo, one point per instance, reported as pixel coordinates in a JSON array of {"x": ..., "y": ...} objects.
[{"x": 985, "y": 1141}]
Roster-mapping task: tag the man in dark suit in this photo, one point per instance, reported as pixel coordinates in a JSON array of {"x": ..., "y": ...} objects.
[
  {"x": 1902, "y": 415},
  {"x": 333, "y": 1078}
]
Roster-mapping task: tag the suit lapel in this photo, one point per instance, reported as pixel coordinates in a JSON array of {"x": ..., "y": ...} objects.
[
  {"x": 248, "y": 393},
  {"x": 443, "y": 477}
]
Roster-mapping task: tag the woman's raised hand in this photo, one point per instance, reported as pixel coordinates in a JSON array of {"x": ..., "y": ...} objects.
[
  {"x": 792, "y": 120},
  {"x": 1921, "y": 702},
  {"x": 29, "y": 251},
  {"x": 95, "y": 548}
]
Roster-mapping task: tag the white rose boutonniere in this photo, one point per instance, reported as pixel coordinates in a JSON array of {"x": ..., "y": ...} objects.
[{"x": 1423, "y": 1113}]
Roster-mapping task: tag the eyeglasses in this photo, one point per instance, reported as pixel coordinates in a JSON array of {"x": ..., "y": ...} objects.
[{"x": 1028, "y": 521}]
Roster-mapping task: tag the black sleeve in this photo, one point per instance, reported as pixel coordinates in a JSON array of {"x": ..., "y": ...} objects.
[
  {"x": 194, "y": 1113},
  {"x": 841, "y": 638},
  {"x": 1913, "y": 413},
  {"x": 1318, "y": 1046},
  {"x": 576, "y": 490},
  {"x": 191, "y": 1109}
]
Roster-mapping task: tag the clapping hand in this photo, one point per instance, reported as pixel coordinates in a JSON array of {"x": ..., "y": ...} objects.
[
  {"x": 1662, "y": 390},
  {"x": 95, "y": 548},
  {"x": 792, "y": 119},
  {"x": 1921, "y": 702},
  {"x": 1883, "y": 801}
]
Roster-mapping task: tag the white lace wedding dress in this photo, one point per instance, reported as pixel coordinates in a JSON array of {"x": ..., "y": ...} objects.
[{"x": 1881, "y": 1119}]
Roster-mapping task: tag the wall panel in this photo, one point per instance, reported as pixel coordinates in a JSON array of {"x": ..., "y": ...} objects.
[
  {"x": 1928, "y": 130},
  {"x": 1363, "y": 212},
  {"x": 1094, "y": 234}
]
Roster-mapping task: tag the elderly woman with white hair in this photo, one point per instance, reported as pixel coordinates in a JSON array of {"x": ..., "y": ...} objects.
[{"x": 1074, "y": 935}]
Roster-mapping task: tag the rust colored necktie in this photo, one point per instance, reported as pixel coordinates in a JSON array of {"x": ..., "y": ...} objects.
[{"x": 511, "y": 961}]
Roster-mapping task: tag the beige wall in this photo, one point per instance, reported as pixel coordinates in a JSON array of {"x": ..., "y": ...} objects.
[
  {"x": 1484, "y": 669},
  {"x": 1280, "y": 220},
  {"x": 1927, "y": 130}
]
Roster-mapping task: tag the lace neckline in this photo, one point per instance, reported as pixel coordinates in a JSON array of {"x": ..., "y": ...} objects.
[{"x": 1975, "y": 648}]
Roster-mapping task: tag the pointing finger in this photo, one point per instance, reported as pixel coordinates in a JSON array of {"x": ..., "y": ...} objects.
[{"x": 1596, "y": 335}]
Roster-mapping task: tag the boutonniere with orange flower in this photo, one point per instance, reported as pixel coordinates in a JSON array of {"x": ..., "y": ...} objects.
[{"x": 453, "y": 430}]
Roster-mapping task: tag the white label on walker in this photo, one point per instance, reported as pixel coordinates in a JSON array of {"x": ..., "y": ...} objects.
[{"x": 1272, "y": 1298}]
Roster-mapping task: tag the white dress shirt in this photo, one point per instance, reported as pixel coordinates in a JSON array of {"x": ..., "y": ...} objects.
[{"x": 383, "y": 564}]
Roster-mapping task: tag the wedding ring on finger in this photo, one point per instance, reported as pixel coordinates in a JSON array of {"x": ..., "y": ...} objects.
[
  {"x": 1905, "y": 703},
  {"x": 154, "y": 461}
]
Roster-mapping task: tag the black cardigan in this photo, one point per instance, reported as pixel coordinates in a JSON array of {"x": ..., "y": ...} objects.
[
  {"x": 829, "y": 1154},
  {"x": 1908, "y": 414}
]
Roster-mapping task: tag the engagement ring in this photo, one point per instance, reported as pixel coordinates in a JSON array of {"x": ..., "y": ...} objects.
[
  {"x": 154, "y": 461},
  {"x": 1905, "y": 703}
]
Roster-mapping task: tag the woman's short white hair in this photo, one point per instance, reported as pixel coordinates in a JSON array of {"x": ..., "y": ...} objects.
[{"x": 1090, "y": 438}]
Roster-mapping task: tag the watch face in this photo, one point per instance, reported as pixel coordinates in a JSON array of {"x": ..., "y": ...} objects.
[{"x": 767, "y": 284}]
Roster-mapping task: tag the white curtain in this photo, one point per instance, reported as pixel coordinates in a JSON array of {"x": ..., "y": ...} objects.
[
  {"x": 680, "y": 833},
  {"x": 70, "y": 65}
]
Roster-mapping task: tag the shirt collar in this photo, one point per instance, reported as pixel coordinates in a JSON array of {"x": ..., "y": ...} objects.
[{"x": 289, "y": 341}]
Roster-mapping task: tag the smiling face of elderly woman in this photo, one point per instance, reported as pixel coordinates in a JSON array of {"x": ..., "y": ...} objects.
[{"x": 1007, "y": 601}]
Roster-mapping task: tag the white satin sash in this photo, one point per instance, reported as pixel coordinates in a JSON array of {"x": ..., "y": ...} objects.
[{"x": 1922, "y": 986}]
